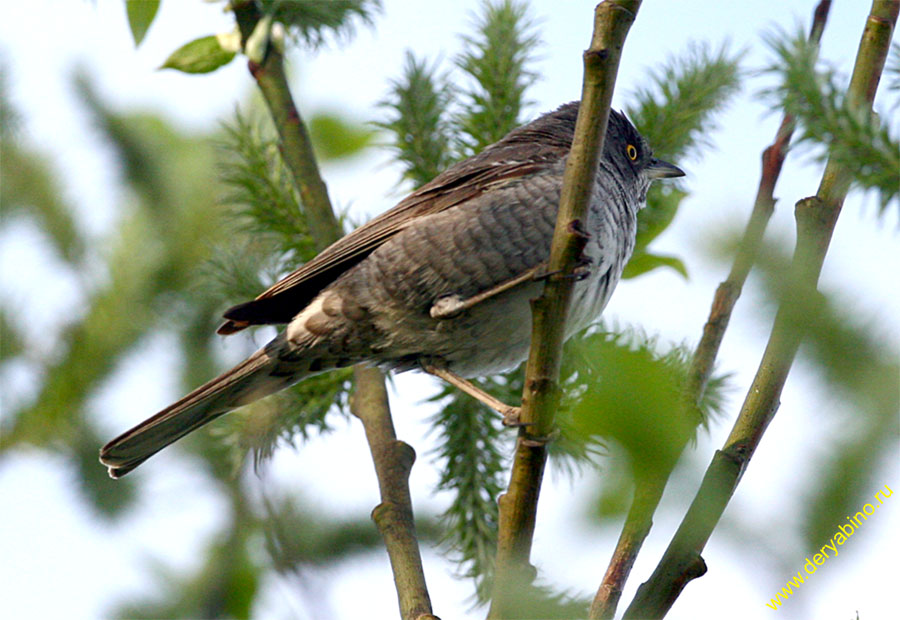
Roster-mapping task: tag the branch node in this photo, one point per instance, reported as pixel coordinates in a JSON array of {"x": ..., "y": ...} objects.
[
  {"x": 387, "y": 514},
  {"x": 404, "y": 455},
  {"x": 696, "y": 568},
  {"x": 596, "y": 56}
]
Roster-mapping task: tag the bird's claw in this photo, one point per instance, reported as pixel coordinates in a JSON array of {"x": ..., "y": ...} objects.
[
  {"x": 512, "y": 417},
  {"x": 580, "y": 271}
]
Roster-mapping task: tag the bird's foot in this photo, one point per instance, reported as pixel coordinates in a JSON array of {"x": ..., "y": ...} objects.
[
  {"x": 576, "y": 227},
  {"x": 512, "y": 417},
  {"x": 581, "y": 271}
]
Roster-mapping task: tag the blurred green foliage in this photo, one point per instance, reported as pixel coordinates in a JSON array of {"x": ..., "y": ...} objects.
[
  {"x": 335, "y": 138},
  {"x": 416, "y": 121},
  {"x": 470, "y": 439},
  {"x": 496, "y": 60},
  {"x": 624, "y": 387},
  {"x": 861, "y": 369},
  {"x": 312, "y": 22},
  {"x": 191, "y": 215}
]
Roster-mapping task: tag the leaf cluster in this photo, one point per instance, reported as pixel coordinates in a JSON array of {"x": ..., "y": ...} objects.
[
  {"x": 622, "y": 385},
  {"x": 312, "y": 22},
  {"x": 495, "y": 61},
  {"x": 307, "y": 22},
  {"x": 855, "y": 136},
  {"x": 468, "y": 440},
  {"x": 150, "y": 279},
  {"x": 434, "y": 122},
  {"x": 269, "y": 236}
]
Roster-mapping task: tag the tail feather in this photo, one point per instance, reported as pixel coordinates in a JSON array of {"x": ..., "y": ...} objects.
[{"x": 250, "y": 380}]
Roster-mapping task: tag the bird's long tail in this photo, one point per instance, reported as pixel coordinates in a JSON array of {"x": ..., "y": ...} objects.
[{"x": 259, "y": 375}]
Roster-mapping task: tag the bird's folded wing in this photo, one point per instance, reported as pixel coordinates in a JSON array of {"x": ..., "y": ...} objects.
[{"x": 281, "y": 302}]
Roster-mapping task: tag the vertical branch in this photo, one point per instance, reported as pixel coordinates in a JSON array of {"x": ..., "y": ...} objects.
[
  {"x": 816, "y": 217},
  {"x": 293, "y": 138},
  {"x": 518, "y": 506},
  {"x": 638, "y": 521},
  {"x": 392, "y": 458},
  {"x": 648, "y": 491},
  {"x": 728, "y": 291}
]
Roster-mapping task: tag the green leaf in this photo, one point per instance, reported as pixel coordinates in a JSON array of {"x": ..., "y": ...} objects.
[
  {"x": 202, "y": 55},
  {"x": 335, "y": 137},
  {"x": 627, "y": 396},
  {"x": 642, "y": 262},
  {"x": 141, "y": 14}
]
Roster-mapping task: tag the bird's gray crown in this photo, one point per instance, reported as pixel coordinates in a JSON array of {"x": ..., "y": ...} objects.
[{"x": 558, "y": 128}]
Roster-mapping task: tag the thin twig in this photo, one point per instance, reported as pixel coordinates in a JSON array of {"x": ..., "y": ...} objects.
[
  {"x": 518, "y": 506},
  {"x": 392, "y": 458},
  {"x": 648, "y": 491},
  {"x": 816, "y": 217}
]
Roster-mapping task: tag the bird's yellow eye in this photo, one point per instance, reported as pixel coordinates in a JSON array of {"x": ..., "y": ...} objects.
[{"x": 631, "y": 151}]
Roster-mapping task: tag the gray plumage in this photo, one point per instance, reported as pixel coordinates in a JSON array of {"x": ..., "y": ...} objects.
[{"x": 371, "y": 296}]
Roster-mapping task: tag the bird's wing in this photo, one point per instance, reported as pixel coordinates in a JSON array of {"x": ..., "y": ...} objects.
[{"x": 504, "y": 161}]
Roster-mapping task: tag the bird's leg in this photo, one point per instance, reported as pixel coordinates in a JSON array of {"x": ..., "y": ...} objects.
[
  {"x": 449, "y": 306},
  {"x": 510, "y": 414}
]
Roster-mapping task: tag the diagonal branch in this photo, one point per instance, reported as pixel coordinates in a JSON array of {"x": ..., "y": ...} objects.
[
  {"x": 392, "y": 458},
  {"x": 518, "y": 506},
  {"x": 816, "y": 217},
  {"x": 649, "y": 490}
]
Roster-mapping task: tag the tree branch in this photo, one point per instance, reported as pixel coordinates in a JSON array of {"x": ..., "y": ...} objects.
[
  {"x": 392, "y": 458},
  {"x": 518, "y": 506},
  {"x": 816, "y": 217},
  {"x": 649, "y": 490},
  {"x": 728, "y": 291}
]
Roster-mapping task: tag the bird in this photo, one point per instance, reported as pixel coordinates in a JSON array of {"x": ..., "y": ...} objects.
[{"x": 442, "y": 282}]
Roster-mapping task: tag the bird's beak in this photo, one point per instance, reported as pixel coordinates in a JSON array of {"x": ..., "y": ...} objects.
[{"x": 659, "y": 169}]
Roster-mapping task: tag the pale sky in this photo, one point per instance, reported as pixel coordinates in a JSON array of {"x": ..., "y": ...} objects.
[{"x": 59, "y": 561}]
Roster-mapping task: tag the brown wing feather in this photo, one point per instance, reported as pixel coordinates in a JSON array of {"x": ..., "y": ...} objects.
[{"x": 515, "y": 156}]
